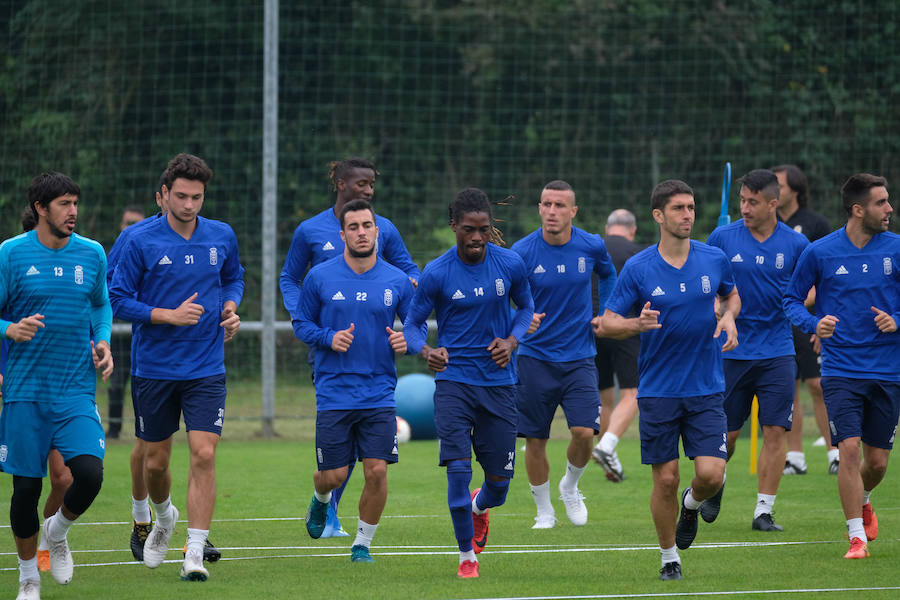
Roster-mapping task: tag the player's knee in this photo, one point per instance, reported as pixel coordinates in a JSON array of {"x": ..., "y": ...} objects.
[
  {"x": 459, "y": 476},
  {"x": 87, "y": 478},
  {"x": 23, "y": 513},
  {"x": 376, "y": 471},
  {"x": 203, "y": 456},
  {"x": 582, "y": 434},
  {"x": 493, "y": 492},
  {"x": 667, "y": 481}
]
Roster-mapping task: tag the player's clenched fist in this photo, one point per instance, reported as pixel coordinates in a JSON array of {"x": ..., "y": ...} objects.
[{"x": 342, "y": 339}]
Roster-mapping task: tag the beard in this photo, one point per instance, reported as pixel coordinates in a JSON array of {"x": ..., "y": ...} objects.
[{"x": 360, "y": 254}]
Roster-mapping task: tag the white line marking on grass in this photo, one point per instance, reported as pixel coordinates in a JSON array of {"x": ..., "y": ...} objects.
[{"x": 683, "y": 594}]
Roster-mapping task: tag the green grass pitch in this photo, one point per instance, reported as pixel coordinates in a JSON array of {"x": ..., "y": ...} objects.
[{"x": 264, "y": 488}]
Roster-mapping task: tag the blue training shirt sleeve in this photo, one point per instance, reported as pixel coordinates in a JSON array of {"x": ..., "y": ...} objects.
[
  {"x": 521, "y": 295},
  {"x": 408, "y": 291},
  {"x": 295, "y": 264},
  {"x": 101, "y": 310},
  {"x": 802, "y": 280},
  {"x": 727, "y": 284},
  {"x": 126, "y": 282},
  {"x": 421, "y": 306},
  {"x": 4, "y": 287},
  {"x": 306, "y": 322},
  {"x": 232, "y": 272}
]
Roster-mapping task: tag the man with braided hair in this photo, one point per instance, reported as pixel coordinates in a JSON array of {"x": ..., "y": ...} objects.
[
  {"x": 318, "y": 239},
  {"x": 470, "y": 287}
]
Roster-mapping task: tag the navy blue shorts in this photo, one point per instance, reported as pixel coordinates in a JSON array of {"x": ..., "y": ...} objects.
[
  {"x": 617, "y": 358},
  {"x": 698, "y": 420},
  {"x": 28, "y": 430},
  {"x": 544, "y": 385},
  {"x": 771, "y": 380},
  {"x": 342, "y": 436},
  {"x": 479, "y": 417},
  {"x": 159, "y": 404},
  {"x": 864, "y": 408}
]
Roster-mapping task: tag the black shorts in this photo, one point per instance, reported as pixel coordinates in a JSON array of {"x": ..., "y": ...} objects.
[
  {"x": 619, "y": 357},
  {"x": 808, "y": 362}
]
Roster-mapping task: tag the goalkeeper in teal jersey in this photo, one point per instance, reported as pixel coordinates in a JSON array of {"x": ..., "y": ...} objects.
[{"x": 53, "y": 290}]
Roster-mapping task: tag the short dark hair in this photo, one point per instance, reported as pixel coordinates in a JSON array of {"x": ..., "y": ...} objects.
[
  {"x": 47, "y": 186},
  {"x": 857, "y": 189},
  {"x": 664, "y": 191},
  {"x": 355, "y": 205},
  {"x": 796, "y": 180},
  {"x": 339, "y": 169},
  {"x": 162, "y": 182},
  {"x": 187, "y": 166},
  {"x": 559, "y": 184},
  {"x": 761, "y": 180}
]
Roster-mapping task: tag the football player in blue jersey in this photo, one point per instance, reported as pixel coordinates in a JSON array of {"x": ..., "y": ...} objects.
[
  {"x": 470, "y": 287},
  {"x": 556, "y": 357},
  {"x": 673, "y": 287},
  {"x": 347, "y": 308},
  {"x": 179, "y": 281},
  {"x": 318, "y": 239},
  {"x": 856, "y": 272},
  {"x": 53, "y": 291},
  {"x": 763, "y": 252}
]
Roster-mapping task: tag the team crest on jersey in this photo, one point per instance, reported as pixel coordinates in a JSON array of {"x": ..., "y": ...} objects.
[
  {"x": 79, "y": 274},
  {"x": 213, "y": 256},
  {"x": 581, "y": 264},
  {"x": 888, "y": 269},
  {"x": 779, "y": 261},
  {"x": 4, "y": 452},
  {"x": 704, "y": 283},
  {"x": 501, "y": 289},
  {"x": 388, "y": 297}
]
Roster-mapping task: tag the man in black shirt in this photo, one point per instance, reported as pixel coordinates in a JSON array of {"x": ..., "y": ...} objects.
[
  {"x": 617, "y": 357},
  {"x": 793, "y": 210}
]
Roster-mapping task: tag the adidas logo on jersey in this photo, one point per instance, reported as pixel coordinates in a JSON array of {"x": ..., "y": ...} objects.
[
  {"x": 338, "y": 296},
  {"x": 658, "y": 292},
  {"x": 457, "y": 295},
  {"x": 737, "y": 258},
  {"x": 165, "y": 260},
  {"x": 841, "y": 270},
  {"x": 539, "y": 269},
  {"x": 32, "y": 271},
  {"x": 327, "y": 246}
]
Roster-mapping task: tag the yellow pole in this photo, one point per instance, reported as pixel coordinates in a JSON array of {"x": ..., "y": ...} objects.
[{"x": 754, "y": 434}]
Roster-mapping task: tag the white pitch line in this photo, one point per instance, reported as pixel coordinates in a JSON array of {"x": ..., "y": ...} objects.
[{"x": 684, "y": 594}]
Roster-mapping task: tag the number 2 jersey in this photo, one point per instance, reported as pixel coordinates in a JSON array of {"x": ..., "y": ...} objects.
[
  {"x": 68, "y": 286},
  {"x": 849, "y": 281},
  {"x": 160, "y": 269}
]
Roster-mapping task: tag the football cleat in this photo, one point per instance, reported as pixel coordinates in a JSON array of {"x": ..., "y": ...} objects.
[
  {"x": 43, "y": 557},
  {"x": 671, "y": 571},
  {"x": 315, "y": 518},
  {"x": 858, "y": 549},
  {"x": 157, "y": 544},
  {"x": 544, "y": 521},
  {"x": 575, "y": 508},
  {"x": 686, "y": 530},
  {"x": 61, "y": 565},
  {"x": 710, "y": 508},
  {"x": 139, "y": 533},
  {"x": 480, "y": 526},
  {"x": 793, "y": 469},
  {"x": 192, "y": 568},
  {"x": 764, "y": 522},
  {"x": 870, "y": 521},
  {"x": 610, "y": 463},
  {"x": 468, "y": 569},
  {"x": 30, "y": 589},
  {"x": 360, "y": 553},
  {"x": 833, "y": 466}
]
